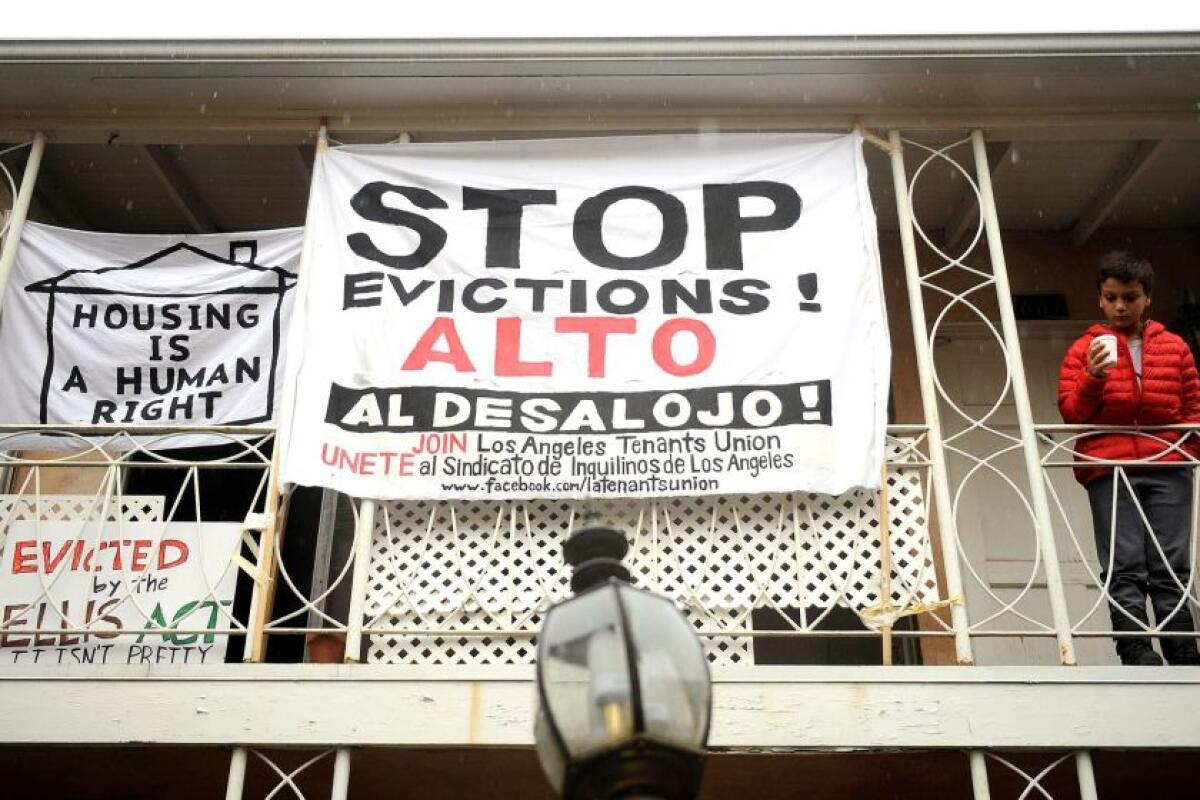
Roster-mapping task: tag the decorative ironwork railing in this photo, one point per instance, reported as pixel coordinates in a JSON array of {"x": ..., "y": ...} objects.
[
  {"x": 1171, "y": 621},
  {"x": 466, "y": 583},
  {"x": 1007, "y": 513},
  {"x": 429, "y": 583},
  {"x": 129, "y": 549}
]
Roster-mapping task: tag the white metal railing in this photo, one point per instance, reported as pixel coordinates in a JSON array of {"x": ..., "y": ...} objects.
[
  {"x": 88, "y": 554},
  {"x": 465, "y": 583},
  {"x": 1061, "y": 455},
  {"x": 1048, "y": 775},
  {"x": 990, "y": 472},
  {"x": 430, "y": 583},
  {"x": 437, "y": 583},
  {"x": 959, "y": 284}
]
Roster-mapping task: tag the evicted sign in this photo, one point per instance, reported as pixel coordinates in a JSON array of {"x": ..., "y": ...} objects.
[
  {"x": 612, "y": 317},
  {"x": 151, "y": 330},
  {"x": 121, "y": 593}
]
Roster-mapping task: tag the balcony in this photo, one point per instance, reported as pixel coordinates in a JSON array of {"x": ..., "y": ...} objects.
[
  {"x": 906, "y": 643},
  {"x": 828, "y": 623},
  {"x": 766, "y": 580}
]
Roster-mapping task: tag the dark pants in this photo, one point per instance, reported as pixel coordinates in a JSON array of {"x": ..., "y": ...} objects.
[{"x": 1138, "y": 570}]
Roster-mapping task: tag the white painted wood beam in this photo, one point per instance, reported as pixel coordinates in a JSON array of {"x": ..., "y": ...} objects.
[
  {"x": 778, "y": 707},
  {"x": 966, "y": 214},
  {"x": 179, "y": 188},
  {"x": 1141, "y": 156},
  {"x": 1002, "y": 124}
]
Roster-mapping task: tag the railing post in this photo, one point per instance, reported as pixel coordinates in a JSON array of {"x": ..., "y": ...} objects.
[
  {"x": 237, "y": 774},
  {"x": 1020, "y": 390},
  {"x": 364, "y": 531},
  {"x": 1194, "y": 539},
  {"x": 979, "y": 777},
  {"x": 262, "y": 598},
  {"x": 937, "y": 455},
  {"x": 341, "y": 774},
  {"x": 885, "y": 563},
  {"x": 1087, "y": 776},
  {"x": 20, "y": 210}
]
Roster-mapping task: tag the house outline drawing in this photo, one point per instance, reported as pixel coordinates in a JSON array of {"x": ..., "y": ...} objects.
[{"x": 242, "y": 254}]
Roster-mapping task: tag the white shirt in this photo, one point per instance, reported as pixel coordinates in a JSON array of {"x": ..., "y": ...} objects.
[{"x": 1135, "y": 353}]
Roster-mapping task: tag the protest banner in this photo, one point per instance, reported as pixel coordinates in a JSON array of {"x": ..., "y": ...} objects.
[
  {"x": 74, "y": 592},
  {"x": 635, "y": 316},
  {"x": 145, "y": 330}
]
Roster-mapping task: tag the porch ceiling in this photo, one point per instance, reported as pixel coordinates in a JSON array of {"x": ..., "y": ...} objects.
[
  {"x": 1039, "y": 185},
  {"x": 1085, "y": 132}
]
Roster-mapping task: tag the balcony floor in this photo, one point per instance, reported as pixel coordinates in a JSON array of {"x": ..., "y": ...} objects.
[{"x": 803, "y": 708}]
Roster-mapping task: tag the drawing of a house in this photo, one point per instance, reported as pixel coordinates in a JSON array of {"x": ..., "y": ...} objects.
[{"x": 182, "y": 335}]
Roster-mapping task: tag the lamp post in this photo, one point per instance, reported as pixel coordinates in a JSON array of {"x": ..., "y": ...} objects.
[{"x": 624, "y": 695}]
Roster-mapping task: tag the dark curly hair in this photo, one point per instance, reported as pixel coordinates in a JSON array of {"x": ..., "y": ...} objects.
[{"x": 1127, "y": 267}]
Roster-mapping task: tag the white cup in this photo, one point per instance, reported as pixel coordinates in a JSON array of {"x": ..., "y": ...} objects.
[{"x": 1109, "y": 342}]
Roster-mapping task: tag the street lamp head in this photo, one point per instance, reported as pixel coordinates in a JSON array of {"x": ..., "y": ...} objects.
[
  {"x": 595, "y": 556},
  {"x": 623, "y": 685}
]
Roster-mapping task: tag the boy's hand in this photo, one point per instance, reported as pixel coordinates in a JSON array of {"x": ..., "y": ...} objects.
[{"x": 1098, "y": 364}]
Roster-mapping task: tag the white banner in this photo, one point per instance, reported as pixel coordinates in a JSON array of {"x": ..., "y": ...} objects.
[
  {"x": 127, "y": 593},
  {"x": 611, "y": 317},
  {"x": 104, "y": 328}
]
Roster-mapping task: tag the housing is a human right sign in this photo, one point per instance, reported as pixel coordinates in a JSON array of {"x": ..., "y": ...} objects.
[
  {"x": 636, "y": 316},
  {"x": 146, "y": 330}
]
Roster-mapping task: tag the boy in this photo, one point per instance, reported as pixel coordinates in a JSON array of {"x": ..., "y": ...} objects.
[{"x": 1152, "y": 382}]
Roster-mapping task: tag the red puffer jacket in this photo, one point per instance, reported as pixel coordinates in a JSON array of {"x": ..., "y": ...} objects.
[{"x": 1169, "y": 395}]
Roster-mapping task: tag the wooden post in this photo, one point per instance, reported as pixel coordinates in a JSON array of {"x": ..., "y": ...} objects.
[
  {"x": 885, "y": 563},
  {"x": 272, "y": 530}
]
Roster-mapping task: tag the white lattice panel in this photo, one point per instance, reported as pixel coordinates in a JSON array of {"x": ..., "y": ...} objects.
[
  {"x": 466, "y": 583},
  {"x": 66, "y": 507}
]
